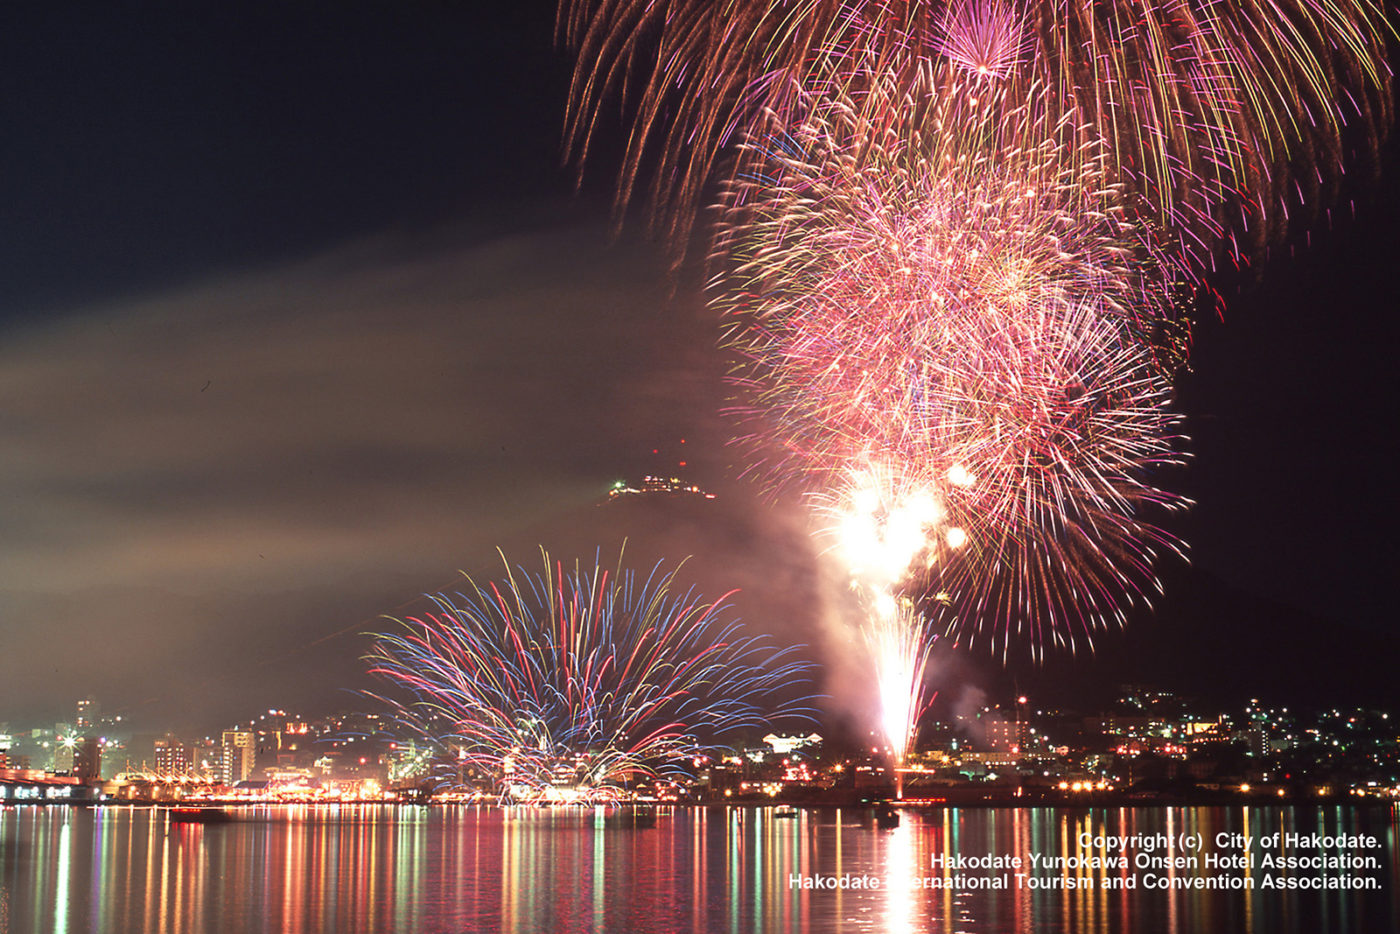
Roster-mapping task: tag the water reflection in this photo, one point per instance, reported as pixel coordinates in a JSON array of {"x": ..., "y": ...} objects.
[{"x": 388, "y": 868}]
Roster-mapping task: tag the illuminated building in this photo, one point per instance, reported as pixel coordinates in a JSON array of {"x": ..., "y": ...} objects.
[
  {"x": 782, "y": 745},
  {"x": 88, "y": 713},
  {"x": 663, "y": 478},
  {"x": 172, "y": 759},
  {"x": 63, "y": 753},
  {"x": 656, "y": 486},
  {"x": 1132, "y": 726},
  {"x": 1005, "y": 735},
  {"x": 241, "y": 750},
  {"x": 221, "y": 762},
  {"x": 1257, "y": 740},
  {"x": 87, "y": 760}
]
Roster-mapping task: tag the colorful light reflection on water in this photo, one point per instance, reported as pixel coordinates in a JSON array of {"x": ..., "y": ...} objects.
[{"x": 396, "y": 868}]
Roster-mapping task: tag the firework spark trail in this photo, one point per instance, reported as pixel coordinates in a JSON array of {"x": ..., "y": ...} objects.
[
  {"x": 590, "y": 679},
  {"x": 988, "y": 38},
  {"x": 879, "y": 527},
  {"x": 1219, "y": 114},
  {"x": 912, "y": 218},
  {"x": 948, "y": 245},
  {"x": 900, "y": 641},
  {"x": 966, "y": 318}
]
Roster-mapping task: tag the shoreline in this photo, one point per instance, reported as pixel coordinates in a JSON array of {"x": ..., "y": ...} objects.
[{"x": 871, "y": 804}]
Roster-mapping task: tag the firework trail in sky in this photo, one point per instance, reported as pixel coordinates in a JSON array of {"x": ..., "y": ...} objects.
[
  {"x": 899, "y": 641},
  {"x": 868, "y": 253},
  {"x": 581, "y": 683},
  {"x": 954, "y": 244},
  {"x": 879, "y": 527},
  {"x": 1219, "y": 114},
  {"x": 968, "y": 323}
]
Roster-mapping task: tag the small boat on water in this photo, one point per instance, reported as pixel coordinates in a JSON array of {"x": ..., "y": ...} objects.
[
  {"x": 886, "y": 817},
  {"x": 785, "y": 811},
  {"x": 198, "y": 815}
]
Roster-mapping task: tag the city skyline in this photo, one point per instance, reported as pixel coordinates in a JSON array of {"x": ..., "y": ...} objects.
[{"x": 1147, "y": 745}]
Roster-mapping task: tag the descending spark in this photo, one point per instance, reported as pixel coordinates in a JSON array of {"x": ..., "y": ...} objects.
[
  {"x": 953, "y": 249},
  {"x": 581, "y": 683},
  {"x": 963, "y": 327},
  {"x": 1215, "y": 111},
  {"x": 865, "y": 257}
]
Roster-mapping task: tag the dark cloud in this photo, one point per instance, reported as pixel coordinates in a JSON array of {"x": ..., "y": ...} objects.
[{"x": 201, "y": 483}]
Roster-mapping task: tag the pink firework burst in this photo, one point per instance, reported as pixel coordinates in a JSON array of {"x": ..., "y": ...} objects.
[
  {"x": 986, "y": 37},
  {"x": 971, "y": 313}
]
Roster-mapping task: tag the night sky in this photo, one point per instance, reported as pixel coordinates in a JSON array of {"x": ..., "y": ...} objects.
[{"x": 300, "y": 314}]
